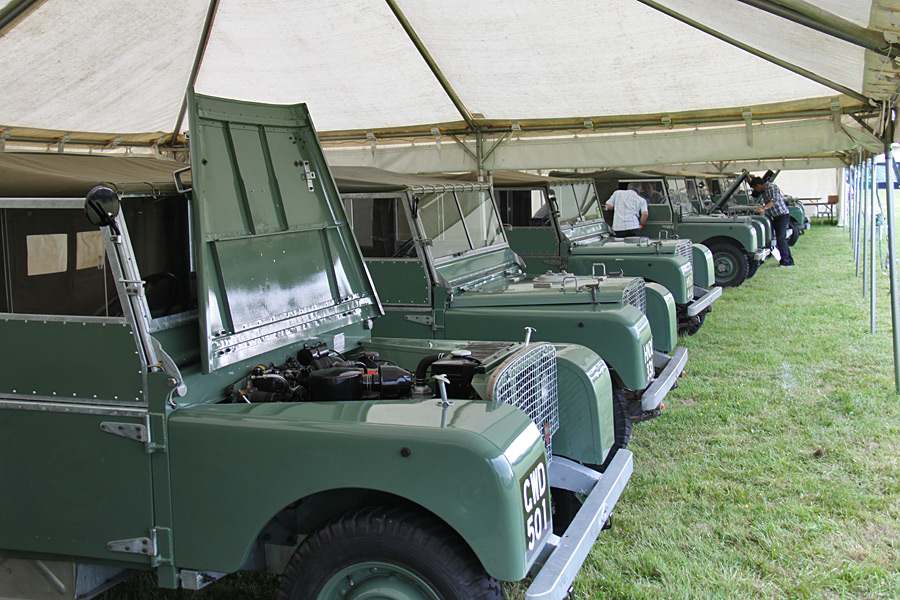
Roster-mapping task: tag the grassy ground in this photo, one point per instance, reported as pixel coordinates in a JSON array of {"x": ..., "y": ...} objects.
[{"x": 773, "y": 473}]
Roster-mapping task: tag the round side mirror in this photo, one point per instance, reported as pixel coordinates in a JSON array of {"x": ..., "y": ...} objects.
[{"x": 101, "y": 205}]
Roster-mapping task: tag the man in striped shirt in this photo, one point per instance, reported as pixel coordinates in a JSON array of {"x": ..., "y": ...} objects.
[{"x": 776, "y": 209}]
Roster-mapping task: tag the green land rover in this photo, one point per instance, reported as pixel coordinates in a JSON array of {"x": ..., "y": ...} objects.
[
  {"x": 443, "y": 269},
  {"x": 219, "y": 403},
  {"x": 735, "y": 242},
  {"x": 557, "y": 222}
]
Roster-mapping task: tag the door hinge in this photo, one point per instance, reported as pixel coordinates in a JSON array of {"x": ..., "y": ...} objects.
[
  {"x": 141, "y": 545},
  {"x": 422, "y": 319},
  {"x": 132, "y": 431}
]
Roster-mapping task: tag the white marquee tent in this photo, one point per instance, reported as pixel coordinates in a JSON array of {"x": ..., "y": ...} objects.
[{"x": 417, "y": 85}]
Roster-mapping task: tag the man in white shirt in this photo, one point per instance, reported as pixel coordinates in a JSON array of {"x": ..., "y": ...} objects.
[{"x": 629, "y": 211}]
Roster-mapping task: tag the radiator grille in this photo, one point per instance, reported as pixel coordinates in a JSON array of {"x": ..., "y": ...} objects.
[
  {"x": 527, "y": 380},
  {"x": 686, "y": 249},
  {"x": 635, "y": 294}
]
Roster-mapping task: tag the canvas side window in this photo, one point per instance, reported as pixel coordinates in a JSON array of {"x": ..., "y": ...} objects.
[
  {"x": 53, "y": 264},
  {"x": 522, "y": 208},
  {"x": 380, "y": 227}
]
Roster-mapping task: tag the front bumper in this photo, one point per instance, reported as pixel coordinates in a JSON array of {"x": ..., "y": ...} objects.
[
  {"x": 761, "y": 254},
  {"x": 669, "y": 369},
  {"x": 702, "y": 299},
  {"x": 561, "y": 557}
]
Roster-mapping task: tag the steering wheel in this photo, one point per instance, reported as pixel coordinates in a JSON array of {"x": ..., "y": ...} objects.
[{"x": 150, "y": 281}]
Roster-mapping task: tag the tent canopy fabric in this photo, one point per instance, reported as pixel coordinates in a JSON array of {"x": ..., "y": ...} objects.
[
  {"x": 405, "y": 76},
  {"x": 41, "y": 175},
  {"x": 351, "y": 180}
]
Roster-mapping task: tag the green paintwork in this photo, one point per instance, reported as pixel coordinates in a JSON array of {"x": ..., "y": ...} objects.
[
  {"x": 252, "y": 199},
  {"x": 220, "y": 484},
  {"x": 661, "y": 311},
  {"x": 457, "y": 472},
  {"x": 108, "y": 370},
  {"x": 703, "y": 277},
  {"x": 482, "y": 292}
]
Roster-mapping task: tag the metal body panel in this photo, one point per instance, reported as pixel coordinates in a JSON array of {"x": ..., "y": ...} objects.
[
  {"x": 672, "y": 272},
  {"x": 610, "y": 333},
  {"x": 103, "y": 366},
  {"x": 401, "y": 281},
  {"x": 704, "y": 272},
  {"x": 618, "y": 336},
  {"x": 662, "y": 317},
  {"x": 466, "y": 472},
  {"x": 276, "y": 259},
  {"x": 585, "y": 405},
  {"x": 68, "y": 472}
]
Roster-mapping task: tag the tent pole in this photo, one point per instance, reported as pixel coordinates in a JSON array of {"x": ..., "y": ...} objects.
[
  {"x": 872, "y": 242},
  {"x": 198, "y": 59},
  {"x": 892, "y": 245},
  {"x": 763, "y": 55},
  {"x": 435, "y": 70},
  {"x": 828, "y": 24}
]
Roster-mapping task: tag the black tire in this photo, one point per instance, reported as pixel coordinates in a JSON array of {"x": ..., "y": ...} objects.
[
  {"x": 752, "y": 267},
  {"x": 693, "y": 324},
  {"x": 565, "y": 506},
  {"x": 793, "y": 232},
  {"x": 730, "y": 264},
  {"x": 621, "y": 425},
  {"x": 391, "y": 547}
]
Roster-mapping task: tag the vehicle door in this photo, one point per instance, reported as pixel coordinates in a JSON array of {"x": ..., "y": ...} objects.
[{"x": 73, "y": 394}]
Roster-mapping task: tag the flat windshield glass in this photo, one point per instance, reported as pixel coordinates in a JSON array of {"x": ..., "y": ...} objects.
[
  {"x": 577, "y": 202},
  {"x": 443, "y": 224},
  {"x": 481, "y": 218},
  {"x": 681, "y": 195}
]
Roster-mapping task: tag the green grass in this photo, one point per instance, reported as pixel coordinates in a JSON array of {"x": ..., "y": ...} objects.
[{"x": 773, "y": 473}]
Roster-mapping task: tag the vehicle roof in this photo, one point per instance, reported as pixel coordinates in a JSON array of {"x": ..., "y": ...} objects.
[
  {"x": 45, "y": 175},
  {"x": 512, "y": 178}
]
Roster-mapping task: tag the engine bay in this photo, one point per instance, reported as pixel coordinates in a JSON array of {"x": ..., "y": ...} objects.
[{"x": 320, "y": 374}]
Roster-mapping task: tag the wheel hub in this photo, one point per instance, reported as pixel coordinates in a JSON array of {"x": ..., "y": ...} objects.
[{"x": 376, "y": 581}]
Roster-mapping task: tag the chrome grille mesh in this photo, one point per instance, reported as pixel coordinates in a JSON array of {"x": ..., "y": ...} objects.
[
  {"x": 686, "y": 249},
  {"x": 635, "y": 294},
  {"x": 527, "y": 380}
]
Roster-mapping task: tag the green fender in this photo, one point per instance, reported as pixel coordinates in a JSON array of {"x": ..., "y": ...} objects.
[
  {"x": 704, "y": 274},
  {"x": 662, "y": 317},
  {"x": 234, "y": 467},
  {"x": 585, "y": 405}
]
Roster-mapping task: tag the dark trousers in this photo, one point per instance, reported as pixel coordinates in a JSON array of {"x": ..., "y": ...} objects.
[
  {"x": 780, "y": 223},
  {"x": 628, "y": 233}
]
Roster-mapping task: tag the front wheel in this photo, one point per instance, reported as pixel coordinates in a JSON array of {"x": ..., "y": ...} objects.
[
  {"x": 730, "y": 264},
  {"x": 386, "y": 553}
]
